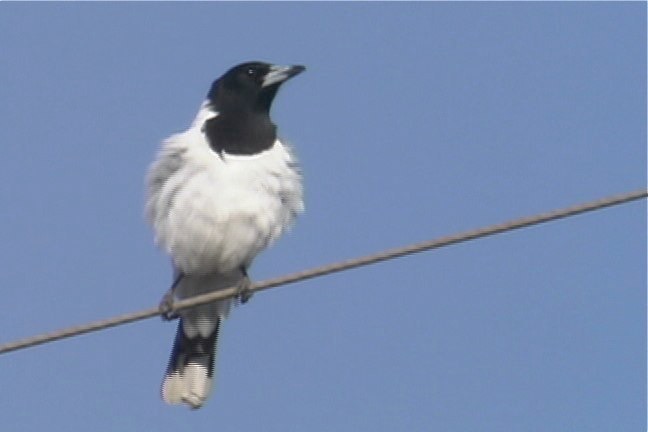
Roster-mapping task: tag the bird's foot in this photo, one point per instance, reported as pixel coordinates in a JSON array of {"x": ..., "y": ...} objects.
[
  {"x": 244, "y": 291},
  {"x": 166, "y": 308}
]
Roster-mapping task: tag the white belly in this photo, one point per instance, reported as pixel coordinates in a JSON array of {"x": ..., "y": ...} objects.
[{"x": 216, "y": 214}]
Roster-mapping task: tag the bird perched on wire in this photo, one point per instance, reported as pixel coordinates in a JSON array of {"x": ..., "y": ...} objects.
[{"x": 218, "y": 194}]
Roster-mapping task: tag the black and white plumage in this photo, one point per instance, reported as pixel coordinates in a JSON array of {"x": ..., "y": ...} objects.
[{"x": 218, "y": 194}]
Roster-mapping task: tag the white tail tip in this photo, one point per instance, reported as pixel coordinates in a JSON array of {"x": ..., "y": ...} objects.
[{"x": 192, "y": 386}]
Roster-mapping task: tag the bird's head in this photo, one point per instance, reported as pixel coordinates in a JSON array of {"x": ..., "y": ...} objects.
[{"x": 250, "y": 86}]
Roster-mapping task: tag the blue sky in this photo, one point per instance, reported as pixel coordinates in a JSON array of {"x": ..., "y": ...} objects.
[{"x": 413, "y": 121}]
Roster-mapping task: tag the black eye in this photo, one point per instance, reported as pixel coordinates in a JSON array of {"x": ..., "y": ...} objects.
[{"x": 251, "y": 72}]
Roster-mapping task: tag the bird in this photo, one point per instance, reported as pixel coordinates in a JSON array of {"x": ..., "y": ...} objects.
[{"x": 218, "y": 194}]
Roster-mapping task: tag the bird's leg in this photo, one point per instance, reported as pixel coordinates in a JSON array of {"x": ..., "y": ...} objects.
[
  {"x": 166, "y": 304},
  {"x": 244, "y": 292}
]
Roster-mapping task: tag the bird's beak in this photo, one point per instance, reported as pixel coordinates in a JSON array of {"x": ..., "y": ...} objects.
[{"x": 279, "y": 74}]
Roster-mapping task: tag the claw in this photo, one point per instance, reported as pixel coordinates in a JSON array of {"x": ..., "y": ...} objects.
[
  {"x": 244, "y": 292},
  {"x": 166, "y": 307},
  {"x": 166, "y": 304}
]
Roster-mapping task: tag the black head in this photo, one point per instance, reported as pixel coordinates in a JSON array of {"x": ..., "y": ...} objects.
[
  {"x": 250, "y": 86},
  {"x": 242, "y": 98}
]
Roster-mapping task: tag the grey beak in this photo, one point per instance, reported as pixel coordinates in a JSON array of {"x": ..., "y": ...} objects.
[{"x": 279, "y": 74}]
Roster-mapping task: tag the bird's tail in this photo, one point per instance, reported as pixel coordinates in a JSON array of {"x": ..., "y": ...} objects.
[{"x": 190, "y": 373}]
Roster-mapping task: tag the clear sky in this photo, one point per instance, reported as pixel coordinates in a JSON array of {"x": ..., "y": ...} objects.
[{"x": 413, "y": 121}]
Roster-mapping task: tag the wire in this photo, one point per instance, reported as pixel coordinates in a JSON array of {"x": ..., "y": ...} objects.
[{"x": 331, "y": 268}]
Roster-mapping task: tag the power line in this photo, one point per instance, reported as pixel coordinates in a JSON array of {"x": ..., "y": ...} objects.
[{"x": 331, "y": 268}]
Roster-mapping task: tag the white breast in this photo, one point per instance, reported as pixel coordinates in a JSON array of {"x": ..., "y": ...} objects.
[{"x": 215, "y": 214}]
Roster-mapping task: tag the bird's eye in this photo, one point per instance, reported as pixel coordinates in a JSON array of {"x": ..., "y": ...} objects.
[{"x": 251, "y": 72}]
